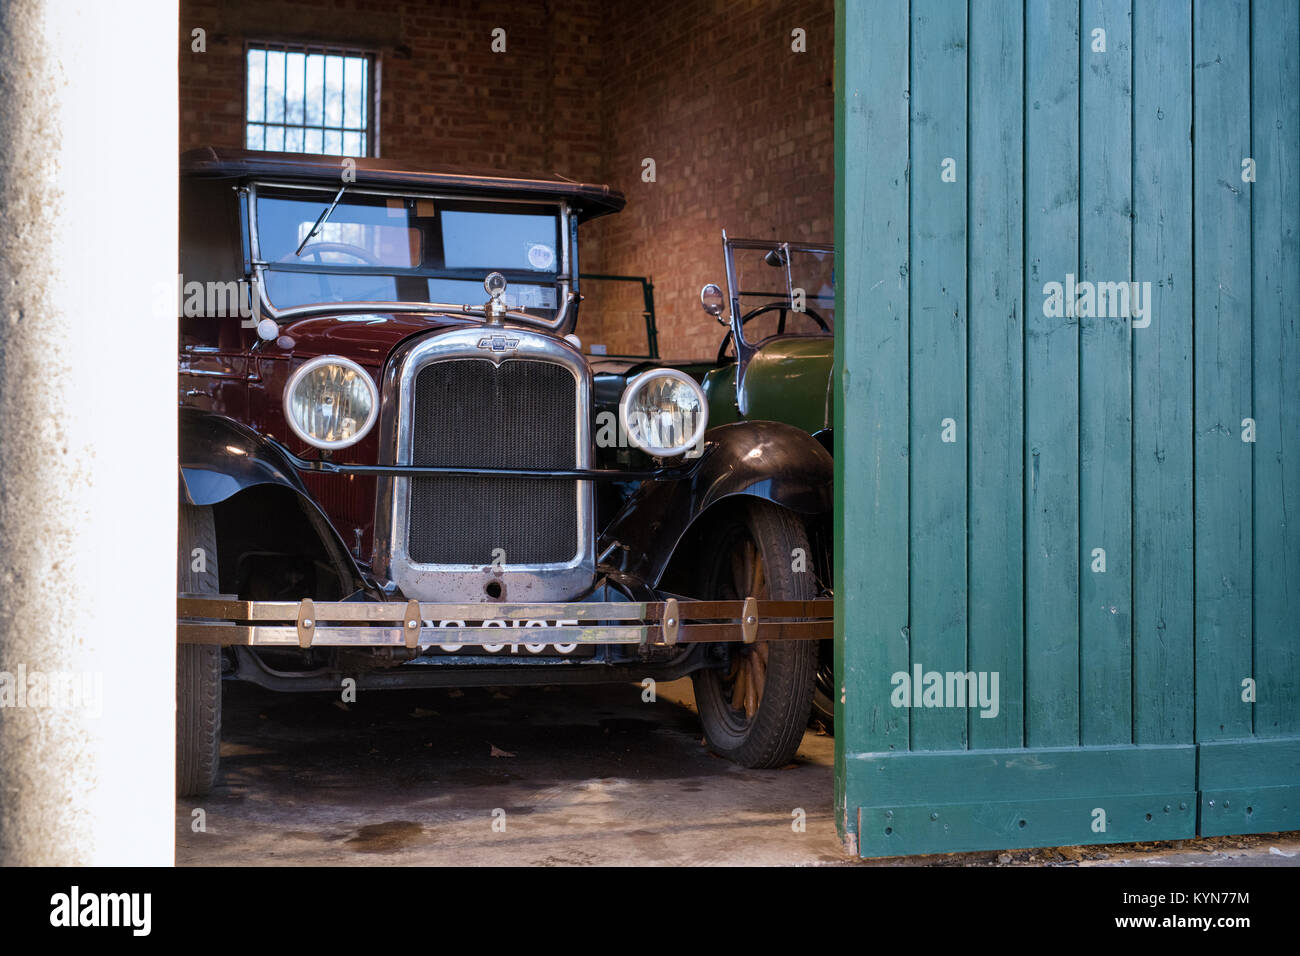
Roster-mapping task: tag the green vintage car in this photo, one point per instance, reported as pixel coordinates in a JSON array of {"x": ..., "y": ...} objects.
[{"x": 774, "y": 364}]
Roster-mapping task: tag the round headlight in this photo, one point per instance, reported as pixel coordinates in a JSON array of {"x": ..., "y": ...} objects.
[
  {"x": 664, "y": 412},
  {"x": 331, "y": 402}
]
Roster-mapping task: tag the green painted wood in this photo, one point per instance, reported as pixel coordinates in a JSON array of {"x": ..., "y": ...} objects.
[
  {"x": 1249, "y": 810},
  {"x": 1105, "y": 386},
  {"x": 1251, "y": 785},
  {"x": 1051, "y": 440},
  {"x": 895, "y": 779},
  {"x": 1275, "y": 205},
  {"x": 871, "y": 358},
  {"x": 844, "y": 522},
  {"x": 1070, "y": 821},
  {"x": 1221, "y": 233},
  {"x": 1162, "y": 374},
  {"x": 938, "y": 360},
  {"x": 949, "y": 802},
  {"x": 1249, "y": 761},
  {"x": 996, "y": 342},
  {"x": 1078, "y": 428}
]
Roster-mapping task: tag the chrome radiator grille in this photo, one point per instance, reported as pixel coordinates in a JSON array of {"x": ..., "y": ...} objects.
[{"x": 476, "y": 414}]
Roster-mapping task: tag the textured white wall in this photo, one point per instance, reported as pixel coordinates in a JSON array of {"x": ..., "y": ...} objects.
[{"x": 88, "y": 148}]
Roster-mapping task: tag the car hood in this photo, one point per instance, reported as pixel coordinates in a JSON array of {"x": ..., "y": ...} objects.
[
  {"x": 366, "y": 339},
  {"x": 370, "y": 338}
]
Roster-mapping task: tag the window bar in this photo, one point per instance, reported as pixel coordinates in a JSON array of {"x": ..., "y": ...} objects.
[
  {"x": 266, "y": 61},
  {"x": 324, "y": 71}
]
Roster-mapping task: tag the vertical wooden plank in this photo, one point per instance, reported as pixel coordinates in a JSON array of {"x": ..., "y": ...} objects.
[
  {"x": 939, "y": 422},
  {"x": 1221, "y": 237},
  {"x": 1275, "y": 199},
  {"x": 1163, "y": 685},
  {"x": 1105, "y": 424},
  {"x": 996, "y": 375},
  {"x": 1051, "y": 377},
  {"x": 871, "y": 414}
]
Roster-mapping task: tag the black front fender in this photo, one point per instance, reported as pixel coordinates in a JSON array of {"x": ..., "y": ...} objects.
[
  {"x": 768, "y": 460},
  {"x": 220, "y": 457}
]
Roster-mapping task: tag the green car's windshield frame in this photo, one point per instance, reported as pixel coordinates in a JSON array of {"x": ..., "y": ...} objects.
[
  {"x": 417, "y": 269},
  {"x": 781, "y": 292}
]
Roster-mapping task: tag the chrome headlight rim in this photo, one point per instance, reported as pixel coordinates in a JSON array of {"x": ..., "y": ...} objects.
[
  {"x": 306, "y": 369},
  {"x": 638, "y": 382}
]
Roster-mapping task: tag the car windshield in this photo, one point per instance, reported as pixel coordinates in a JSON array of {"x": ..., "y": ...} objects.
[
  {"x": 784, "y": 289},
  {"x": 617, "y": 316},
  {"x": 382, "y": 248}
]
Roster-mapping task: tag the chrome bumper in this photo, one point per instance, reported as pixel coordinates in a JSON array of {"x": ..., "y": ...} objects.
[{"x": 225, "y": 621}]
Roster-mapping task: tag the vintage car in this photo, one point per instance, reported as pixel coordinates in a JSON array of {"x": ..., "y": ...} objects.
[
  {"x": 400, "y": 467},
  {"x": 774, "y": 364}
]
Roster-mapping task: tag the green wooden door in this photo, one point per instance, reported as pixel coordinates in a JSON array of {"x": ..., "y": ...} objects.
[{"x": 1068, "y": 417}]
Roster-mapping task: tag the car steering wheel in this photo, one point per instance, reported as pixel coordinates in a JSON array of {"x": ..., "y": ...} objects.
[
  {"x": 342, "y": 248},
  {"x": 780, "y": 327}
]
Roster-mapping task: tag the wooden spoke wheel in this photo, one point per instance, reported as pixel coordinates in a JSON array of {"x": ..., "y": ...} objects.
[
  {"x": 748, "y": 671},
  {"x": 755, "y": 709}
]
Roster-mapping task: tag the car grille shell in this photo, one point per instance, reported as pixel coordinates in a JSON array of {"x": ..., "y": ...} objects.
[{"x": 474, "y": 413}]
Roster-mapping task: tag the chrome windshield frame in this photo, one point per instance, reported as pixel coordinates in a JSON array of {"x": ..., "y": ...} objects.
[
  {"x": 729, "y": 245},
  {"x": 565, "y": 282}
]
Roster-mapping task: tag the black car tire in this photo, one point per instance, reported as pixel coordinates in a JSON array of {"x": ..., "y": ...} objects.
[
  {"x": 198, "y": 666},
  {"x": 823, "y": 702},
  {"x": 753, "y": 557}
]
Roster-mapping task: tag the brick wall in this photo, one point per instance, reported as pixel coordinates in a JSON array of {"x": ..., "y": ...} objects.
[
  {"x": 741, "y": 130},
  {"x": 740, "y": 127},
  {"x": 444, "y": 95}
]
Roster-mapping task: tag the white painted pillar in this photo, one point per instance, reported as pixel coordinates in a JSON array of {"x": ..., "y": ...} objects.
[{"x": 88, "y": 148}]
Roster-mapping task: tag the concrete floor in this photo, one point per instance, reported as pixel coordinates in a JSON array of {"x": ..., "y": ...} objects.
[{"x": 543, "y": 777}]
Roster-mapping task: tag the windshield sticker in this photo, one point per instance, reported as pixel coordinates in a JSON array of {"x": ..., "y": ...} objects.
[
  {"x": 540, "y": 256},
  {"x": 530, "y": 297}
]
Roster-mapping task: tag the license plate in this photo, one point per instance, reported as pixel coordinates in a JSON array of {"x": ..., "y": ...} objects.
[{"x": 515, "y": 642}]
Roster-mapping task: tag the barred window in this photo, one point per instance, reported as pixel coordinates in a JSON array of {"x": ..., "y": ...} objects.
[{"x": 309, "y": 100}]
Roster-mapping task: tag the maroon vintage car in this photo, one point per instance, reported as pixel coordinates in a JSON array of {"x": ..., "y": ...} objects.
[{"x": 401, "y": 466}]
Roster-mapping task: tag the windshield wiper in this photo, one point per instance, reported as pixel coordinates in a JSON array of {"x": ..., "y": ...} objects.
[{"x": 320, "y": 221}]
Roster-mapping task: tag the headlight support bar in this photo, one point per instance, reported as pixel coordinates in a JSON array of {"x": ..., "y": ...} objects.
[{"x": 328, "y": 467}]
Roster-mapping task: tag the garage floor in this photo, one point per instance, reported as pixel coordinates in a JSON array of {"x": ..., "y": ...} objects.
[
  {"x": 582, "y": 776},
  {"x": 588, "y": 775}
]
